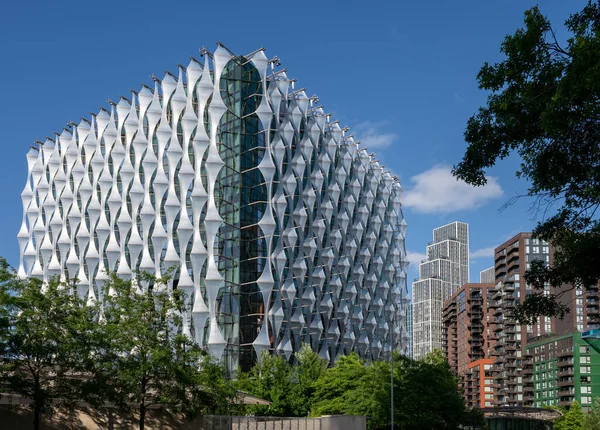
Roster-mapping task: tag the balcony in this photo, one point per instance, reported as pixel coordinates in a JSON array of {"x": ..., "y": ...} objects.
[
  {"x": 565, "y": 353},
  {"x": 566, "y": 382},
  {"x": 568, "y": 371},
  {"x": 508, "y": 305},
  {"x": 564, "y": 362},
  {"x": 512, "y": 257}
]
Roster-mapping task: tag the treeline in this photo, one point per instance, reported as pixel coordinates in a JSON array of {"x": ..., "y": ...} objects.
[
  {"x": 575, "y": 418},
  {"x": 130, "y": 347},
  {"x": 127, "y": 350},
  {"x": 426, "y": 394}
]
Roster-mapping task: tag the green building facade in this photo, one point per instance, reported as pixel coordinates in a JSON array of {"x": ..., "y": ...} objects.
[{"x": 562, "y": 369}]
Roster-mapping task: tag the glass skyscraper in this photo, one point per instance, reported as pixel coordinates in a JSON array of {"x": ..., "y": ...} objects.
[{"x": 280, "y": 228}]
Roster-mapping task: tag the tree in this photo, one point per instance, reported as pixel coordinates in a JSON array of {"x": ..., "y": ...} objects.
[
  {"x": 372, "y": 396},
  {"x": 335, "y": 385},
  {"x": 305, "y": 374},
  {"x": 269, "y": 379},
  {"x": 215, "y": 392},
  {"x": 44, "y": 338},
  {"x": 143, "y": 358},
  {"x": 572, "y": 420},
  {"x": 544, "y": 104},
  {"x": 592, "y": 418},
  {"x": 353, "y": 387},
  {"x": 428, "y": 395}
]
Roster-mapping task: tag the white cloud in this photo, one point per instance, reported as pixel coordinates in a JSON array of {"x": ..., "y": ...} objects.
[
  {"x": 482, "y": 253},
  {"x": 371, "y": 137},
  {"x": 437, "y": 191},
  {"x": 415, "y": 258}
]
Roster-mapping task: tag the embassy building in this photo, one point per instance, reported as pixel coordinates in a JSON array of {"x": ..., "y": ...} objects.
[{"x": 280, "y": 229}]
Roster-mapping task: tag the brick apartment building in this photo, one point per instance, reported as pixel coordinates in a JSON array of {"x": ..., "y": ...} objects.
[
  {"x": 490, "y": 333},
  {"x": 464, "y": 318}
]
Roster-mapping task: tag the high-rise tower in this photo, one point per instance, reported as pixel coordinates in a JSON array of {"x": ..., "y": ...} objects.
[
  {"x": 444, "y": 271},
  {"x": 281, "y": 229}
]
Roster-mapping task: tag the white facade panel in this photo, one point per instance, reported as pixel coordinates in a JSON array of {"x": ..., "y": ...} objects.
[{"x": 281, "y": 229}]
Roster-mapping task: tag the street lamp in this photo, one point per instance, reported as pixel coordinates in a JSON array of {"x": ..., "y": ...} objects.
[{"x": 392, "y": 370}]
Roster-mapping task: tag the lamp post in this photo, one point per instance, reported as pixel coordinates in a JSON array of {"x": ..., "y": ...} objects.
[{"x": 392, "y": 371}]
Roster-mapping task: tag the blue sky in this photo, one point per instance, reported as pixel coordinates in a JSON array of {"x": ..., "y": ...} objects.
[{"x": 401, "y": 74}]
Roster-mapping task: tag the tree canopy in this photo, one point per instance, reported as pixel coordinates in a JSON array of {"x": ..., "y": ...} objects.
[
  {"x": 592, "y": 418},
  {"x": 573, "y": 419},
  {"x": 426, "y": 391},
  {"x": 44, "y": 341},
  {"x": 146, "y": 359},
  {"x": 544, "y": 104},
  {"x": 130, "y": 350}
]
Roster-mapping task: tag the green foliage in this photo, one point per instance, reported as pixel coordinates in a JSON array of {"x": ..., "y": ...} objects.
[
  {"x": 426, "y": 392},
  {"x": 215, "y": 393},
  {"x": 307, "y": 371},
  {"x": 142, "y": 358},
  {"x": 428, "y": 395},
  {"x": 289, "y": 389},
  {"x": 573, "y": 419},
  {"x": 592, "y": 418},
  {"x": 44, "y": 341},
  {"x": 269, "y": 379},
  {"x": 131, "y": 352},
  {"x": 544, "y": 104},
  {"x": 353, "y": 388},
  {"x": 336, "y": 384},
  {"x": 372, "y": 396}
]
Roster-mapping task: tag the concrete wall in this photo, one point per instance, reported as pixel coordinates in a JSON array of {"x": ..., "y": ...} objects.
[
  {"x": 343, "y": 422},
  {"x": 21, "y": 417},
  {"x": 330, "y": 422}
]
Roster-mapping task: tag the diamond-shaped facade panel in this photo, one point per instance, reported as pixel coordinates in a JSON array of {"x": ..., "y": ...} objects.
[{"x": 281, "y": 230}]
